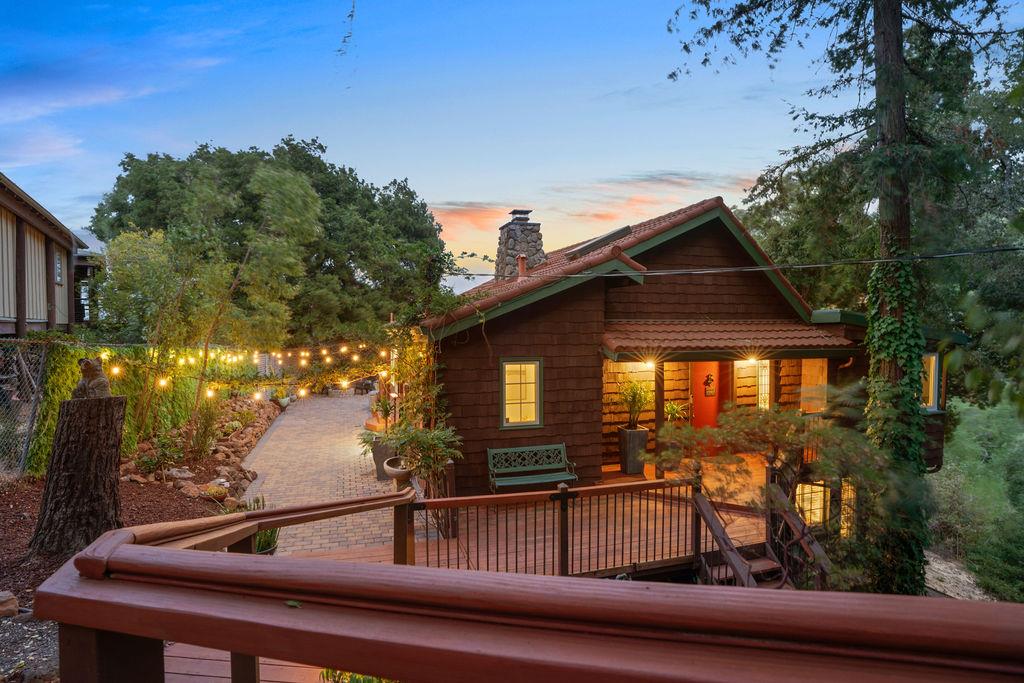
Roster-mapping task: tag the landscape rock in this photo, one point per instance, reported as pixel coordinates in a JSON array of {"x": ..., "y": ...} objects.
[
  {"x": 137, "y": 478},
  {"x": 8, "y": 604},
  {"x": 231, "y": 503},
  {"x": 191, "y": 490},
  {"x": 181, "y": 473}
]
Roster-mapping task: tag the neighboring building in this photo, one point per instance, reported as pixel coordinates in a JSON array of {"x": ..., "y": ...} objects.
[
  {"x": 538, "y": 355},
  {"x": 37, "y": 274}
]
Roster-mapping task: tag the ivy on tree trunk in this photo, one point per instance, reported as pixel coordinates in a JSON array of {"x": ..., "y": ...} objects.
[{"x": 894, "y": 339}]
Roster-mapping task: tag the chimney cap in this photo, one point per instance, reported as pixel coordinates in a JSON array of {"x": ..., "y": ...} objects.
[{"x": 520, "y": 215}]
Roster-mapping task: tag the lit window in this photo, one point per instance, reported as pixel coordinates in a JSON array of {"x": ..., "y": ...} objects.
[
  {"x": 848, "y": 514},
  {"x": 813, "y": 383},
  {"x": 812, "y": 502},
  {"x": 752, "y": 382},
  {"x": 521, "y": 393},
  {"x": 930, "y": 377}
]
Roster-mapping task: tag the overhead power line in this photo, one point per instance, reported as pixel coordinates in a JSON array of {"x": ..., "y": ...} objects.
[{"x": 780, "y": 266}]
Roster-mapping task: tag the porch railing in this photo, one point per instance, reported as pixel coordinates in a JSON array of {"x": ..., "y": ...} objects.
[
  {"x": 802, "y": 558},
  {"x": 598, "y": 531},
  {"x": 718, "y": 562},
  {"x": 132, "y": 589}
]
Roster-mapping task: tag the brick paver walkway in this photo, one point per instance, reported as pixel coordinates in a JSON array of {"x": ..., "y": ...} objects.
[{"x": 311, "y": 454}]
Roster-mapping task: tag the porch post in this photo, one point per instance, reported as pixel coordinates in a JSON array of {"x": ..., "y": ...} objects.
[
  {"x": 659, "y": 406},
  {"x": 90, "y": 655},
  {"x": 20, "y": 279},
  {"x": 244, "y": 668}
]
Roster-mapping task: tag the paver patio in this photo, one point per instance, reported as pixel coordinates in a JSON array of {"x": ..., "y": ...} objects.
[{"x": 311, "y": 454}]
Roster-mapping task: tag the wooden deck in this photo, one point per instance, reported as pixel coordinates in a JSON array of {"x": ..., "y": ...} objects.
[
  {"x": 185, "y": 663},
  {"x": 608, "y": 535}
]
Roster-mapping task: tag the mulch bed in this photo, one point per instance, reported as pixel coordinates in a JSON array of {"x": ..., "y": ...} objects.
[{"x": 140, "y": 504}]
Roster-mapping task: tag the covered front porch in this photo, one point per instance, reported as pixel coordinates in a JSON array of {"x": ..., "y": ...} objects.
[{"x": 697, "y": 369}]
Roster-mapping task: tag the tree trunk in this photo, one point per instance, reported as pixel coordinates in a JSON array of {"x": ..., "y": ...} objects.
[
  {"x": 894, "y": 338},
  {"x": 81, "y": 499}
]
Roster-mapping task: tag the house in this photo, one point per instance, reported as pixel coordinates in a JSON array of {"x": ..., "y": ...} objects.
[
  {"x": 538, "y": 354},
  {"x": 37, "y": 252}
]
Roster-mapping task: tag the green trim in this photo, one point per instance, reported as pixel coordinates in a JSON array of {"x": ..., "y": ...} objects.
[
  {"x": 742, "y": 237},
  {"x": 731, "y": 354},
  {"x": 836, "y": 316},
  {"x": 536, "y": 295},
  {"x": 540, "y": 391}
]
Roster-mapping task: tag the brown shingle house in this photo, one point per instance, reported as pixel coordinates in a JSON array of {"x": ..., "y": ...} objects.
[{"x": 538, "y": 355}]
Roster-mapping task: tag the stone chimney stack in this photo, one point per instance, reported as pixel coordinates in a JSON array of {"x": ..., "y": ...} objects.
[{"x": 518, "y": 236}]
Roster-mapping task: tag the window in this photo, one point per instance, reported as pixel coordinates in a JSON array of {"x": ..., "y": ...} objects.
[
  {"x": 813, "y": 383},
  {"x": 812, "y": 502},
  {"x": 521, "y": 402},
  {"x": 848, "y": 514},
  {"x": 752, "y": 383},
  {"x": 930, "y": 381},
  {"x": 58, "y": 267}
]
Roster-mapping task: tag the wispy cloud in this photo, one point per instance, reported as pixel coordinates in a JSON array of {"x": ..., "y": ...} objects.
[
  {"x": 34, "y": 145},
  {"x": 461, "y": 219}
]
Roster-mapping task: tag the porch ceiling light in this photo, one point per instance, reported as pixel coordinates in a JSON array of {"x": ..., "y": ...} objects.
[{"x": 649, "y": 364}]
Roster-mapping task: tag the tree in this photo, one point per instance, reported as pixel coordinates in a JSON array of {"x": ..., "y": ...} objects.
[
  {"x": 865, "y": 51},
  {"x": 378, "y": 252}
]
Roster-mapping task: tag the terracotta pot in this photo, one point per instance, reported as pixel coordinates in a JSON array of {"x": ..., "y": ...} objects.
[
  {"x": 632, "y": 443},
  {"x": 395, "y": 468}
]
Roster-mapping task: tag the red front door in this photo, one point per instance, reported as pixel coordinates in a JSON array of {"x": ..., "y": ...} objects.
[{"x": 705, "y": 391}]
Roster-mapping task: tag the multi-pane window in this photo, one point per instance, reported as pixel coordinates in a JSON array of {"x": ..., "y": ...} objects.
[
  {"x": 812, "y": 502},
  {"x": 58, "y": 268},
  {"x": 848, "y": 513},
  {"x": 752, "y": 383},
  {"x": 521, "y": 393},
  {"x": 764, "y": 385},
  {"x": 930, "y": 378}
]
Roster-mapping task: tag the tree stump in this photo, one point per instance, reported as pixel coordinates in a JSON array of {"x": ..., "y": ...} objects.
[{"x": 81, "y": 499}]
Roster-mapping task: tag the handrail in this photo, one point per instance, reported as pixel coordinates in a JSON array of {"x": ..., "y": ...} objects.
[
  {"x": 543, "y": 496},
  {"x": 810, "y": 545},
  {"x": 388, "y": 620},
  {"x": 740, "y": 568}
]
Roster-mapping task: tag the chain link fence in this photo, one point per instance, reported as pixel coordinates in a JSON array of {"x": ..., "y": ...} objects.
[{"x": 21, "y": 389}]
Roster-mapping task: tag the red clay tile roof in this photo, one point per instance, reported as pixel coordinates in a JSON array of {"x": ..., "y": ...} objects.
[
  {"x": 559, "y": 264},
  {"x": 643, "y": 336}
]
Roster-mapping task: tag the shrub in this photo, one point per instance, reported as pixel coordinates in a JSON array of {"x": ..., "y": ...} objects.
[
  {"x": 232, "y": 427},
  {"x": 999, "y": 563},
  {"x": 635, "y": 397},
  {"x": 204, "y": 432},
  {"x": 166, "y": 452},
  {"x": 245, "y": 417}
]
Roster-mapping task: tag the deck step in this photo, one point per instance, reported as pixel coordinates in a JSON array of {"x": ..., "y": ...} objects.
[{"x": 759, "y": 566}]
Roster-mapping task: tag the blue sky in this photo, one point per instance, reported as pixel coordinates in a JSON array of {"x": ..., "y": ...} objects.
[{"x": 562, "y": 107}]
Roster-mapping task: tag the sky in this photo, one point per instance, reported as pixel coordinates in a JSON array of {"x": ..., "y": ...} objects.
[{"x": 560, "y": 107}]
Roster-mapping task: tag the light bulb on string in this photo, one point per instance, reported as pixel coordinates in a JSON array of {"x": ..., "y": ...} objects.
[
  {"x": 344, "y": 384},
  {"x": 162, "y": 382},
  {"x": 383, "y": 354},
  {"x": 355, "y": 357},
  {"x": 210, "y": 393},
  {"x": 115, "y": 370},
  {"x": 328, "y": 360},
  {"x": 302, "y": 392}
]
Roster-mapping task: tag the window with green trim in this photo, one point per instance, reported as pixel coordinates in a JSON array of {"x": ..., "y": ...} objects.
[{"x": 521, "y": 392}]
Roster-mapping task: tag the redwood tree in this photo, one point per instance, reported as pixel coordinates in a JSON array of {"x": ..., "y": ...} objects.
[{"x": 865, "y": 52}]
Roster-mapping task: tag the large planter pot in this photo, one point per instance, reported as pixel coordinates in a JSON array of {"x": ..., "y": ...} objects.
[
  {"x": 632, "y": 443},
  {"x": 395, "y": 468},
  {"x": 381, "y": 452}
]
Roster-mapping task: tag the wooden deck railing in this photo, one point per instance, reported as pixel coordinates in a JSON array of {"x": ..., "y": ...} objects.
[
  {"x": 791, "y": 540},
  {"x": 597, "y": 531},
  {"x": 131, "y": 590},
  {"x": 718, "y": 562}
]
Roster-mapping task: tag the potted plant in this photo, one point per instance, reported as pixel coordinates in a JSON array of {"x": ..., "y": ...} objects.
[
  {"x": 374, "y": 442},
  {"x": 677, "y": 413},
  {"x": 420, "y": 451},
  {"x": 635, "y": 397}
]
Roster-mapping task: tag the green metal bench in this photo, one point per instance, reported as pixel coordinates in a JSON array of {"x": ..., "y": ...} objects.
[{"x": 529, "y": 465}]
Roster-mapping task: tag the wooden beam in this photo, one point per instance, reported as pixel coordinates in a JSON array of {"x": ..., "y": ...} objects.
[
  {"x": 51, "y": 285},
  {"x": 30, "y": 216},
  {"x": 69, "y": 283},
  {"x": 20, "y": 279},
  {"x": 659, "y": 403},
  {"x": 94, "y": 656}
]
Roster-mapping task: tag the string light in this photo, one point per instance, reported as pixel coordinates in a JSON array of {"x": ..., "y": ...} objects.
[
  {"x": 210, "y": 393},
  {"x": 257, "y": 396},
  {"x": 115, "y": 370},
  {"x": 355, "y": 357},
  {"x": 383, "y": 354},
  {"x": 328, "y": 360},
  {"x": 162, "y": 382},
  {"x": 181, "y": 361},
  {"x": 302, "y": 362},
  {"x": 344, "y": 384},
  {"x": 323, "y": 352},
  {"x": 302, "y": 392},
  {"x": 384, "y": 373},
  {"x": 343, "y": 349}
]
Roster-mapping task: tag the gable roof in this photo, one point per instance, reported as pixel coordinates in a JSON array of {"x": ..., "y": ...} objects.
[
  {"x": 23, "y": 204},
  {"x": 571, "y": 265}
]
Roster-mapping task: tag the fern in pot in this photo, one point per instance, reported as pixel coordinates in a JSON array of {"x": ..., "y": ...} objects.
[{"x": 635, "y": 397}]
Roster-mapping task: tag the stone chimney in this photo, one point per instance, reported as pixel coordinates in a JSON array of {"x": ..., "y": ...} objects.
[{"x": 518, "y": 236}]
